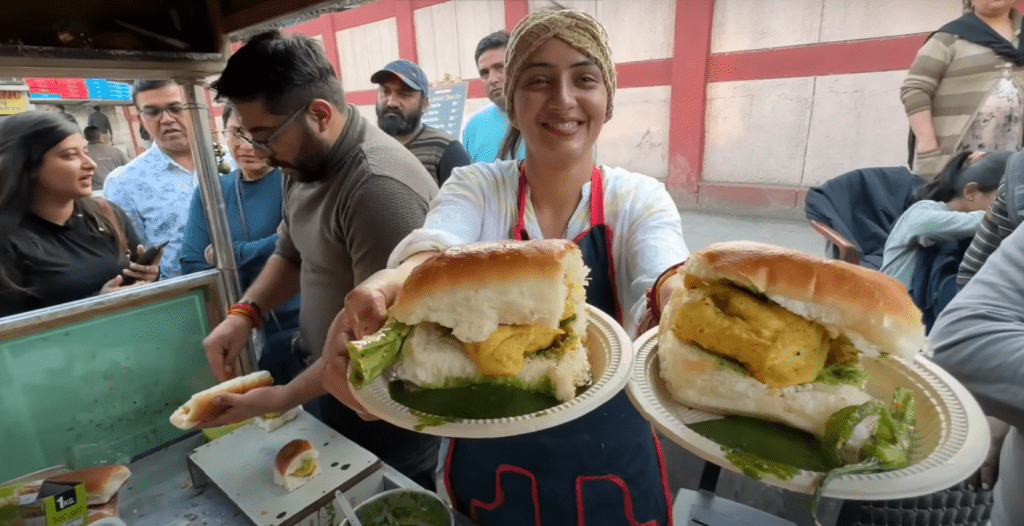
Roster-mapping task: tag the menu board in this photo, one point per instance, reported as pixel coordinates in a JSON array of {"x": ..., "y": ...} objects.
[
  {"x": 95, "y": 89},
  {"x": 447, "y": 103}
]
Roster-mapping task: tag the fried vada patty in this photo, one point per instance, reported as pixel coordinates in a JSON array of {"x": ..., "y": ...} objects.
[{"x": 776, "y": 346}]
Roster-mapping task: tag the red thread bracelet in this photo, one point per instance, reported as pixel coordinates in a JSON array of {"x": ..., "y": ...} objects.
[
  {"x": 653, "y": 304},
  {"x": 248, "y": 311}
]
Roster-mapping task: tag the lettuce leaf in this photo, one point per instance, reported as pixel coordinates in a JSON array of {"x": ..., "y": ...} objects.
[
  {"x": 888, "y": 447},
  {"x": 372, "y": 355}
]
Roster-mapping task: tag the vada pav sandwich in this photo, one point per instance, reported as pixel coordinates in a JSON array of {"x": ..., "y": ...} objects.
[
  {"x": 508, "y": 314},
  {"x": 767, "y": 332},
  {"x": 296, "y": 464}
]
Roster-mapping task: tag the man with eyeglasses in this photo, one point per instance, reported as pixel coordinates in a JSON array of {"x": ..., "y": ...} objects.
[
  {"x": 351, "y": 194},
  {"x": 156, "y": 188}
]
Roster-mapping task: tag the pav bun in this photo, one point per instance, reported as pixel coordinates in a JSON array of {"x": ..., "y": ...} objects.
[
  {"x": 873, "y": 309},
  {"x": 101, "y": 482},
  {"x": 290, "y": 459},
  {"x": 472, "y": 289},
  {"x": 819, "y": 310},
  {"x": 201, "y": 408}
]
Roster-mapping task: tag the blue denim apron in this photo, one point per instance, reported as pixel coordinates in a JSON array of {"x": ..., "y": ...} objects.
[{"x": 605, "y": 467}]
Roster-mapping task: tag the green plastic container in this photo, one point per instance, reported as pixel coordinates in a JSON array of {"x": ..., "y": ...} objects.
[
  {"x": 404, "y": 507},
  {"x": 213, "y": 433}
]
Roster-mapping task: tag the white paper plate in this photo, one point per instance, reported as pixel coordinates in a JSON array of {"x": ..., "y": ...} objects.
[
  {"x": 950, "y": 440},
  {"x": 611, "y": 357}
]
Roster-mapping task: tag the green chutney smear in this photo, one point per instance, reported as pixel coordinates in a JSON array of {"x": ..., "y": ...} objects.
[
  {"x": 470, "y": 401},
  {"x": 765, "y": 446}
]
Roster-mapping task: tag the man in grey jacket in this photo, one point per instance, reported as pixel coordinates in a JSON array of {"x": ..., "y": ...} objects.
[{"x": 979, "y": 338}]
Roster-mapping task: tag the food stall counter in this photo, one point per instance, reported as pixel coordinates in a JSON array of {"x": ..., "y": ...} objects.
[
  {"x": 167, "y": 489},
  {"x": 161, "y": 491}
]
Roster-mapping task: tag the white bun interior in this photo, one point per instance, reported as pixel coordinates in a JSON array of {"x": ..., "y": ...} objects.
[{"x": 472, "y": 289}]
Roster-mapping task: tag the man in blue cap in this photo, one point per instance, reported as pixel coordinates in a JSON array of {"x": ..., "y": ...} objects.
[{"x": 401, "y": 101}]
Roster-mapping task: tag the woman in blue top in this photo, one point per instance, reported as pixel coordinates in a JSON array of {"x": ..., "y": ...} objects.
[
  {"x": 948, "y": 207},
  {"x": 253, "y": 198}
]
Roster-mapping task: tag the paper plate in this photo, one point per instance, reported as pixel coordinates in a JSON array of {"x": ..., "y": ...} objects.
[
  {"x": 611, "y": 357},
  {"x": 950, "y": 439}
]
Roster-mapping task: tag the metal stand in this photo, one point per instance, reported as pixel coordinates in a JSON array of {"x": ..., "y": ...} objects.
[
  {"x": 213, "y": 203},
  {"x": 703, "y": 508}
]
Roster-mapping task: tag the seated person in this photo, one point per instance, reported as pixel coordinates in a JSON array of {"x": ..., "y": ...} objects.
[
  {"x": 1003, "y": 216},
  {"x": 934, "y": 283},
  {"x": 253, "y": 199},
  {"x": 59, "y": 244},
  {"x": 948, "y": 207}
]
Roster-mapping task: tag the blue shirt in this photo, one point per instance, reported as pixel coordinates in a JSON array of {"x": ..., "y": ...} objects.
[
  {"x": 484, "y": 133},
  {"x": 253, "y": 235},
  {"x": 155, "y": 191},
  {"x": 926, "y": 222}
]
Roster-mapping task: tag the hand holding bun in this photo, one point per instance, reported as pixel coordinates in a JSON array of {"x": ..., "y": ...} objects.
[{"x": 201, "y": 408}]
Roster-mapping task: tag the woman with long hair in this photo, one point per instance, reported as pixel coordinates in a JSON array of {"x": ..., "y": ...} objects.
[
  {"x": 949, "y": 207},
  {"x": 57, "y": 243}
]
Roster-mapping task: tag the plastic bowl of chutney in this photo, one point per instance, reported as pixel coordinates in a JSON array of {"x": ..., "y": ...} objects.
[{"x": 404, "y": 507}]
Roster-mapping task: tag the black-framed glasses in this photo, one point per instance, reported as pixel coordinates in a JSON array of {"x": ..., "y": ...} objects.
[
  {"x": 154, "y": 112},
  {"x": 234, "y": 132},
  {"x": 264, "y": 145}
]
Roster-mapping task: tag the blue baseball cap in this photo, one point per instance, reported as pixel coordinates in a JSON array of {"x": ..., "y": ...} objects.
[{"x": 407, "y": 71}]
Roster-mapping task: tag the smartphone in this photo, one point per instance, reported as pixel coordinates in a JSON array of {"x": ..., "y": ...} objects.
[{"x": 147, "y": 258}]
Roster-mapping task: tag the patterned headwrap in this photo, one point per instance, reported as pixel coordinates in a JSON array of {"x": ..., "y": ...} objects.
[{"x": 576, "y": 28}]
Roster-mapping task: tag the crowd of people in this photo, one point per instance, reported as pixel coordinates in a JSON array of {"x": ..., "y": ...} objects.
[
  {"x": 954, "y": 248},
  {"x": 345, "y": 257},
  {"x": 320, "y": 258}
]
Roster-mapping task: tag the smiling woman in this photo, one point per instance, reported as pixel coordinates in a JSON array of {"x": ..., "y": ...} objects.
[
  {"x": 58, "y": 243},
  {"x": 604, "y": 467}
]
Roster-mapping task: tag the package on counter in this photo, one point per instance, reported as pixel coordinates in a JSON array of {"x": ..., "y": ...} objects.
[{"x": 43, "y": 504}]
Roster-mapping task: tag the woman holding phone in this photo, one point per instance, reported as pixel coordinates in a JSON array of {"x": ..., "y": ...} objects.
[{"x": 57, "y": 243}]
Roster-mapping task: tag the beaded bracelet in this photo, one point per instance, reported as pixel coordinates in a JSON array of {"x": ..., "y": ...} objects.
[
  {"x": 653, "y": 305},
  {"x": 248, "y": 311}
]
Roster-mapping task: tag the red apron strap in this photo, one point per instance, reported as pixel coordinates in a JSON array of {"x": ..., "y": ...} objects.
[
  {"x": 519, "y": 233},
  {"x": 596, "y": 204},
  {"x": 596, "y": 198}
]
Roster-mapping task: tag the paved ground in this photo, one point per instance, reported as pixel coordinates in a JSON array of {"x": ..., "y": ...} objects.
[
  {"x": 702, "y": 229},
  {"x": 699, "y": 230}
]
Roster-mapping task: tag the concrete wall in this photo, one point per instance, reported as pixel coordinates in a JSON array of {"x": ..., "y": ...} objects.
[
  {"x": 447, "y": 35},
  {"x": 362, "y": 50},
  {"x": 636, "y": 138},
  {"x": 637, "y": 29},
  {"x": 741, "y": 25},
  {"x": 802, "y": 131},
  {"x": 793, "y": 92}
]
